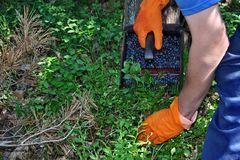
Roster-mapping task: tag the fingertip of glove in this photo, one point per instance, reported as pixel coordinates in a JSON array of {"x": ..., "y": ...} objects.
[
  {"x": 142, "y": 43},
  {"x": 158, "y": 46},
  {"x": 158, "y": 39}
]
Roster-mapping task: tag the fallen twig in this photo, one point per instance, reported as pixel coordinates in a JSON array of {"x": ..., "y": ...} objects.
[
  {"x": 47, "y": 133},
  {"x": 38, "y": 143}
]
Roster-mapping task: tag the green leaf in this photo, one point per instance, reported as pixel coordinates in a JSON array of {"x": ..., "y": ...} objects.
[
  {"x": 135, "y": 68},
  {"x": 45, "y": 84},
  {"x": 127, "y": 76},
  {"x": 187, "y": 153},
  {"x": 71, "y": 31},
  {"x": 173, "y": 150}
]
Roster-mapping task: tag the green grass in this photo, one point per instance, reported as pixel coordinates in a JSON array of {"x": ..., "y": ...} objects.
[
  {"x": 86, "y": 57},
  {"x": 231, "y": 16}
]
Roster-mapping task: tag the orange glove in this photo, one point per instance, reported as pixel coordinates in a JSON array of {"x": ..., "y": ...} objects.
[
  {"x": 164, "y": 124},
  {"x": 149, "y": 19}
]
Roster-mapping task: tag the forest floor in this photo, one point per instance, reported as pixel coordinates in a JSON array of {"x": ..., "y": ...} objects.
[{"x": 59, "y": 91}]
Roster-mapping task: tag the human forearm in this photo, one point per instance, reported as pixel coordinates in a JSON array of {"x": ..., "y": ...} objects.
[
  {"x": 199, "y": 77},
  {"x": 208, "y": 48}
]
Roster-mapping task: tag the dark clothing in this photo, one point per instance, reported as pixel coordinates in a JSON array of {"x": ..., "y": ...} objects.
[{"x": 223, "y": 135}]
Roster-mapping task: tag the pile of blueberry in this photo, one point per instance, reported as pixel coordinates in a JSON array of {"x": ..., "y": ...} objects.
[{"x": 169, "y": 57}]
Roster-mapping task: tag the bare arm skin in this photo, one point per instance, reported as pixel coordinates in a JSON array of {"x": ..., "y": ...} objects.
[{"x": 209, "y": 44}]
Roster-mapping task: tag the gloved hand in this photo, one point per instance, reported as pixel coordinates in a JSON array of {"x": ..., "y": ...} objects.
[
  {"x": 149, "y": 19},
  {"x": 164, "y": 125}
]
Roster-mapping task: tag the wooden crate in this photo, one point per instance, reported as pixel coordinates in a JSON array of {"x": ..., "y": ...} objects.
[{"x": 173, "y": 23}]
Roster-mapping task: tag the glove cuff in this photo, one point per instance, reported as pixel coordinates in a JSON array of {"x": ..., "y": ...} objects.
[
  {"x": 179, "y": 118},
  {"x": 175, "y": 112}
]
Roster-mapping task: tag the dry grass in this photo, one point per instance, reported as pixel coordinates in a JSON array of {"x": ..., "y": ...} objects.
[
  {"x": 46, "y": 129},
  {"x": 10, "y": 59},
  {"x": 31, "y": 37},
  {"x": 29, "y": 43}
]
